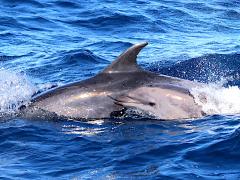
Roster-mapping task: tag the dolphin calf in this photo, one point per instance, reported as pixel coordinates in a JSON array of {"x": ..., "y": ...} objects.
[{"x": 121, "y": 87}]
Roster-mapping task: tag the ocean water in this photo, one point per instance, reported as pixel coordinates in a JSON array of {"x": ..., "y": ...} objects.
[{"x": 46, "y": 43}]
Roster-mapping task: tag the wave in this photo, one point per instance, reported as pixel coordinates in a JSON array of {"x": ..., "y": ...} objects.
[
  {"x": 231, "y": 15},
  {"x": 216, "y": 99},
  {"x": 38, "y": 20},
  {"x": 7, "y": 58},
  {"x": 14, "y": 3},
  {"x": 104, "y": 21},
  {"x": 207, "y": 69},
  {"x": 111, "y": 45},
  {"x": 224, "y": 149},
  {"x": 66, "y": 4},
  {"x": 83, "y": 56},
  {"x": 15, "y": 91},
  {"x": 10, "y": 22},
  {"x": 201, "y": 7}
]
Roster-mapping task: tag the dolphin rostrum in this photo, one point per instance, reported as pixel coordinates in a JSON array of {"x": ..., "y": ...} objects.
[{"x": 122, "y": 86}]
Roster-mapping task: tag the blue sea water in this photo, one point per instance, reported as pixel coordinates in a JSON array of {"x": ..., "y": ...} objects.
[{"x": 47, "y": 43}]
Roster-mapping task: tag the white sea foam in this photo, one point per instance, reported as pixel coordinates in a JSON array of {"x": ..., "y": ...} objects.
[
  {"x": 216, "y": 99},
  {"x": 15, "y": 90}
]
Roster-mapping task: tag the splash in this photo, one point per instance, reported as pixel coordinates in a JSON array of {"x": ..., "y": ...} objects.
[
  {"x": 216, "y": 99},
  {"x": 15, "y": 90}
]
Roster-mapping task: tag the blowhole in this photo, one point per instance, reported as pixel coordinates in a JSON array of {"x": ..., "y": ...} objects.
[{"x": 151, "y": 103}]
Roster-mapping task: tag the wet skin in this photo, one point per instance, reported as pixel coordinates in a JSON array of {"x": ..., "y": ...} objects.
[{"x": 122, "y": 85}]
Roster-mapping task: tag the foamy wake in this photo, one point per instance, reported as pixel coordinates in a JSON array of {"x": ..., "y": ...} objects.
[
  {"x": 15, "y": 90},
  {"x": 216, "y": 99}
]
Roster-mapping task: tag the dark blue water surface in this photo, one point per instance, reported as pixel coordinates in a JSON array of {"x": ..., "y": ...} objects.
[{"x": 46, "y": 43}]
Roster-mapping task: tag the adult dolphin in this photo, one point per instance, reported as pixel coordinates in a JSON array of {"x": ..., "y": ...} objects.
[{"x": 123, "y": 85}]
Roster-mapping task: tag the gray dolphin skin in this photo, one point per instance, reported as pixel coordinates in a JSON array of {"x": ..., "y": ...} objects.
[{"x": 122, "y": 86}]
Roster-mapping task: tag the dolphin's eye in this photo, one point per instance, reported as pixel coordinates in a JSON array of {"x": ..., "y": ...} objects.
[{"x": 151, "y": 103}]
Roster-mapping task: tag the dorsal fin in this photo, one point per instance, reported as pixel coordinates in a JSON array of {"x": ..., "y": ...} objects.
[{"x": 127, "y": 61}]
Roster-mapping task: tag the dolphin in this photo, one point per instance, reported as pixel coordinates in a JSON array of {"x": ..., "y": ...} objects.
[{"x": 122, "y": 87}]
